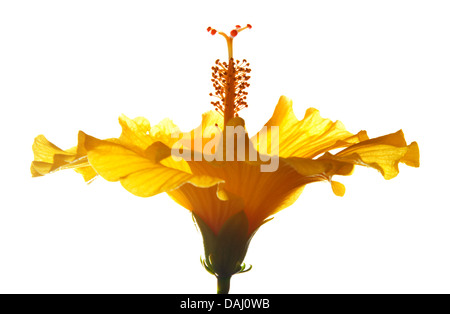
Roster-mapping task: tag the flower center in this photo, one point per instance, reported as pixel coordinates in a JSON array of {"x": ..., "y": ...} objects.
[{"x": 230, "y": 79}]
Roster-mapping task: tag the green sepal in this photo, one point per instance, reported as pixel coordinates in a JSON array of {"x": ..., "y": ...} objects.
[
  {"x": 243, "y": 270},
  {"x": 208, "y": 269},
  {"x": 225, "y": 252}
]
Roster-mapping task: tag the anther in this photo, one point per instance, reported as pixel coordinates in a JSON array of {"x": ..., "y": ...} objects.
[{"x": 230, "y": 79}]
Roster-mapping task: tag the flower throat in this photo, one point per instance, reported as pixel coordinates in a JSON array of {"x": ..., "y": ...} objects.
[{"x": 230, "y": 79}]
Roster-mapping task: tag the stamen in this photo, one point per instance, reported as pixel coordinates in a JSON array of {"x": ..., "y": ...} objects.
[{"x": 230, "y": 79}]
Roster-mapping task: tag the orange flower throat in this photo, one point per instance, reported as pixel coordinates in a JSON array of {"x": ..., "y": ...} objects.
[{"x": 230, "y": 79}]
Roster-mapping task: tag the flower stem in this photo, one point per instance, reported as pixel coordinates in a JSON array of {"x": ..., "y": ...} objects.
[{"x": 223, "y": 284}]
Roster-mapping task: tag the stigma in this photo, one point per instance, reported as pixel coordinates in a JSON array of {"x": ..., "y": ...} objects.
[{"x": 230, "y": 79}]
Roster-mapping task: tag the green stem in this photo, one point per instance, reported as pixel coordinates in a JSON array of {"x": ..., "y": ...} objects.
[{"x": 223, "y": 285}]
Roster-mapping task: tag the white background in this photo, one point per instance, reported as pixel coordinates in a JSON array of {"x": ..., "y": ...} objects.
[{"x": 374, "y": 65}]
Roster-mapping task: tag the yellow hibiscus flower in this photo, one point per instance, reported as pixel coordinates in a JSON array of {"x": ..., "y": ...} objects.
[{"x": 231, "y": 183}]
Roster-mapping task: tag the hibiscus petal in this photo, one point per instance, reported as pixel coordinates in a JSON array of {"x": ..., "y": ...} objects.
[
  {"x": 214, "y": 205},
  {"x": 210, "y": 127},
  {"x": 306, "y": 138},
  {"x": 138, "y": 133},
  {"x": 322, "y": 169},
  {"x": 382, "y": 153},
  {"x": 87, "y": 172},
  {"x": 50, "y": 158},
  {"x": 165, "y": 132},
  {"x": 263, "y": 192},
  {"x": 314, "y": 170},
  {"x": 338, "y": 188},
  {"x": 138, "y": 174},
  {"x": 135, "y": 132},
  {"x": 154, "y": 142}
]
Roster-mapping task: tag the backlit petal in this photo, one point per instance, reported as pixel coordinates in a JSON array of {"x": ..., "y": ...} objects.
[
  {"x": 208, "y": 203},
  {"x": 138, "y": 173},
  {"x": 306, "y": 138},
  {"x": 135, "y": 132},
  {"x": 138, "y": 134},
  {"x": 50, "y": 158},
  {"x": 210, "y": 127},
  {"x": 262, "y": 193},
  {"x": 382, "y": 153},
  {"x": 338, "y": 188},
  {"x": 153, "y": 142}
]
